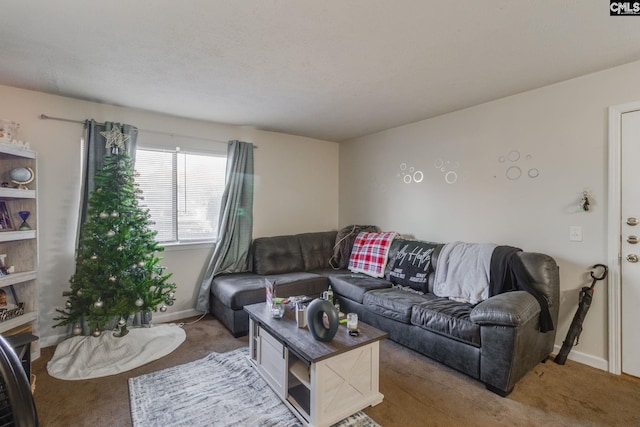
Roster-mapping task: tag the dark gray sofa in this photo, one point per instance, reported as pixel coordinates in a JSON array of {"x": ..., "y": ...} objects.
[
  {"x": 298, "y": 264},
  {"x": 496, "y": 341}
]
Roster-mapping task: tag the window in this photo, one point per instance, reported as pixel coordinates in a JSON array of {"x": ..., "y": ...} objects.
[{"x": 182, "y": 191}]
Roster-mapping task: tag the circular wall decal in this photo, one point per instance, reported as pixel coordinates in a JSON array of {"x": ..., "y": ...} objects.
[
  {"x": 514, "y": 172},
  {"x": 450, "y": 177},
  {"x": 514, "y": 156}
]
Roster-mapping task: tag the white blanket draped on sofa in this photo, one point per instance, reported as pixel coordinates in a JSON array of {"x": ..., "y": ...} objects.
[{"x": 463, "y": 271}]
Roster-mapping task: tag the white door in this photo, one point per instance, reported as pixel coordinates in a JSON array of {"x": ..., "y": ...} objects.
[{"x": 630, "y": 242}]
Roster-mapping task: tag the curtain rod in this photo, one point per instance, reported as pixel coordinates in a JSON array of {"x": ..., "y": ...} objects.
[{"x": 82, "y": 122}]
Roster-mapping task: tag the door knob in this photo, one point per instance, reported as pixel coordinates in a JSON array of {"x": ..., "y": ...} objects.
[
  {"x": 632, "y": 239},
  {"x": 632, "y": 221},
  {"x": 632, "y": 258}
]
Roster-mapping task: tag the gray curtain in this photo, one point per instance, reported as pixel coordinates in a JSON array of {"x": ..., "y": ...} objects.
[{"x": 235, "y": 224}]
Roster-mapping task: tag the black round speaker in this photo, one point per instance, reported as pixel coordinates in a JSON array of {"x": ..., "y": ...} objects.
[{"x": 315, "y": 313}]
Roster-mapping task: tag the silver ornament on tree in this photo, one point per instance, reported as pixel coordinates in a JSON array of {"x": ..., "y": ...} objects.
[
  {"x": 99, "y": 303},
  {"x": 115, "y": 214},
  {"x": 77, "y": 330},
  {"x": 96, "y": 332},
  {"x": 163, "y": 308},
  {"x": 104, "y": 215},
  {"x": 139, "y": 302}
]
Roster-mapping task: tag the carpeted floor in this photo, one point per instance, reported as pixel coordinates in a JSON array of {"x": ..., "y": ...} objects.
[{"x": 418, "y": 391}]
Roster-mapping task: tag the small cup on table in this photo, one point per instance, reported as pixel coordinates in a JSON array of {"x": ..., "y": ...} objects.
[{"x": 352, "y": 324}]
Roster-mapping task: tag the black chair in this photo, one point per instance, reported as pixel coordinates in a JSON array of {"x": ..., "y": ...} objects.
[{"x": 17, "y": 407}]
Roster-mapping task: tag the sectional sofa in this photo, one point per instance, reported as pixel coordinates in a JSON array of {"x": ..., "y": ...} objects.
[{"x": 496, "y": 341}]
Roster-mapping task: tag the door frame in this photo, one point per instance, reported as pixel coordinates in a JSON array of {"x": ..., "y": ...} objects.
[{"x": 614, "y": 233}]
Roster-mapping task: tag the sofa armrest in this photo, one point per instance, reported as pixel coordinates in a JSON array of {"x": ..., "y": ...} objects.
[{"x": 507, "y": 309}]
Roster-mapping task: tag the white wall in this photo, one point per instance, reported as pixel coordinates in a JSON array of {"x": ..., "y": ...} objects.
[
  {"x": 558, "y": 130},
  {"x": 296, "y": 186}
]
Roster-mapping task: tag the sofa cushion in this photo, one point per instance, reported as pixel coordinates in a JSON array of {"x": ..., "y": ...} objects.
[
  {"x": 299, "y": 283},
  {"x": 446, "y": 317},
  {"x": 275, "y": 255},
  {"x": 354, "y": 286},
  {"x": 411, "y": 264},
  {"x": 238, "y": 289},
  {"x": 316, "y": 249},
  {"x": 370, "y": 251},
  {"x": 394, "y": 303}
]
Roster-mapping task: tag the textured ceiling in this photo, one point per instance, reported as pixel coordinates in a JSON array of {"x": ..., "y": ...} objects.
[{"x": 331, "y": 69}]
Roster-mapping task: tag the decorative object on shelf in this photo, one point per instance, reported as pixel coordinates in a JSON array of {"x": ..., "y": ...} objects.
[
  {"x": 319, "y": 312},
  {"x": 9, "y": 133},
  {"x": 21, "y": 177},
  {"x": 10, "y": 310},
  {"x": 23, "y": 216},
  {"x": 5, "y": 217},
  {"x": 4, "y": 270},
  {"x": 8, "y": 129}
]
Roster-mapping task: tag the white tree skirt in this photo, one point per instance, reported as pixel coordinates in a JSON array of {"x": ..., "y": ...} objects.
[{"x": 81, "y": 357}]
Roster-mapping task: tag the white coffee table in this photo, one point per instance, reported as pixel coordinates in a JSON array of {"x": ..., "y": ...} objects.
[{"x": 321, "y": 382}]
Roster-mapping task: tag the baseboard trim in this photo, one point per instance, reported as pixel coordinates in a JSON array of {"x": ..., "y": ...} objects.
[
  {"x": 585, "y": 359},
  {"x": 51, "y": 340},
  {"x": 178, "y": 315}
]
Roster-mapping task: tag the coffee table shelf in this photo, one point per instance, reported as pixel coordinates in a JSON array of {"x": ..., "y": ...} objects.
[{"x": 321, "y": 382}]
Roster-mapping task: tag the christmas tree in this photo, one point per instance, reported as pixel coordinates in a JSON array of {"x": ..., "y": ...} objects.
[{"x": 117, "y": 270}]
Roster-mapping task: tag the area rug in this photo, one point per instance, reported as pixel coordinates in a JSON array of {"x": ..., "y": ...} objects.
[
  {"x": 81, "y": 357},
  {"x": 221, "y": 390}
]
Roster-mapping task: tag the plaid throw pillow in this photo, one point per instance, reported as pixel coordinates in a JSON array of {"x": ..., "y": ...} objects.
[{"x": 369, "y": 253}]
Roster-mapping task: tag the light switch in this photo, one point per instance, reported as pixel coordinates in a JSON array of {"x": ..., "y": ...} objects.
[{"x": 575, "y": 233}]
